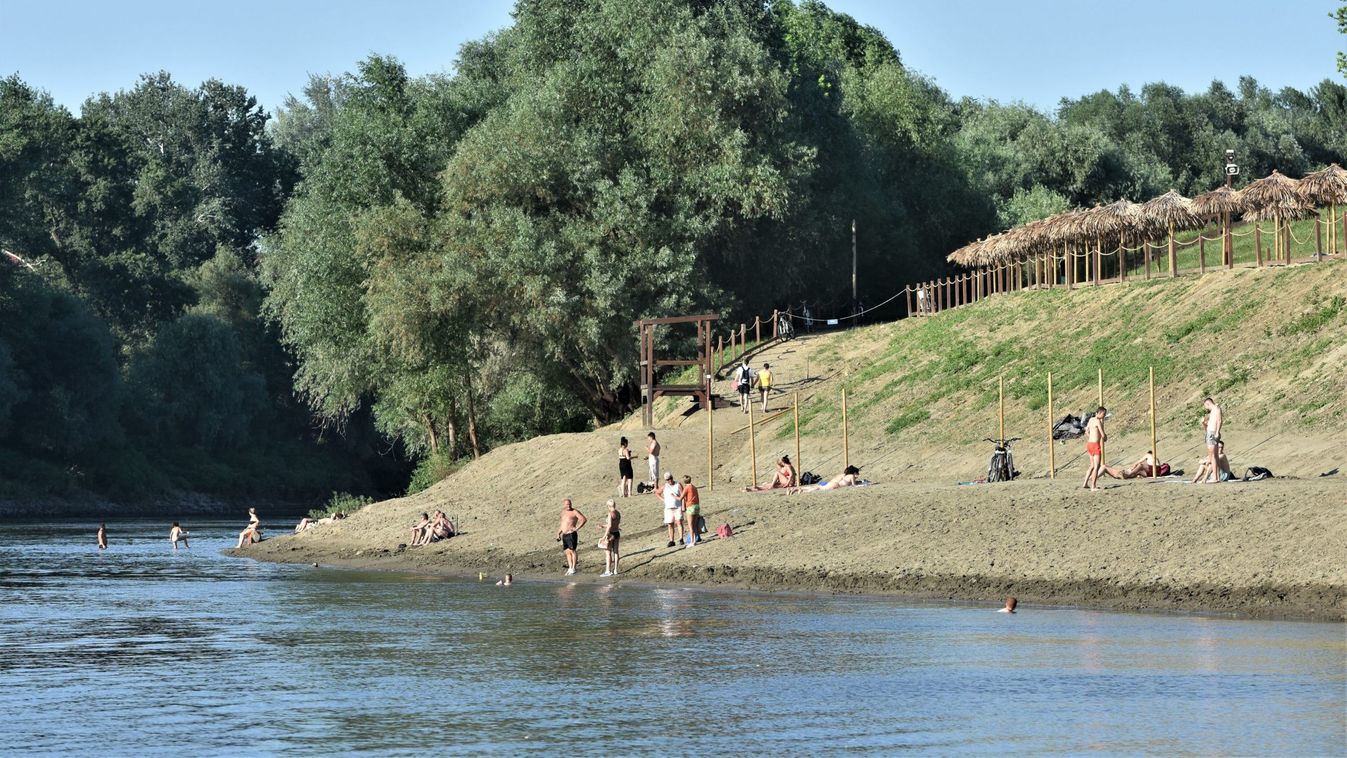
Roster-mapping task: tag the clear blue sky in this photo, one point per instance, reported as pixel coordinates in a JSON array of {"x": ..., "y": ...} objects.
[{"x": 1036, "y": 51}]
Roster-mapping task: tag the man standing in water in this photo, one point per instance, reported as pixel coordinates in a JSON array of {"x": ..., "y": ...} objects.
[
  {"x": 568, "y": 533},
  {"x": 1215, "y": 418},
  {"x": 178, "y": 534},
  {"x": 102, "y": 536}
]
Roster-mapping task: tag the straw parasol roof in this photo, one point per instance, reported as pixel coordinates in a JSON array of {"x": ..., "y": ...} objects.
[
  {"x": 1273, "y": 190},
  {"x": 966, "y": 255},
  {"x": 1325, "y": 186},
  {"x": 1170, "y": 210},
  {"x": 1288, "y": 212},
  {"x": 1221, "y": 200}
]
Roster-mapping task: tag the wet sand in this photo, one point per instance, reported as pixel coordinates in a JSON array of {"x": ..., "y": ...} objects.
[{"x": 1271, "y": 549}]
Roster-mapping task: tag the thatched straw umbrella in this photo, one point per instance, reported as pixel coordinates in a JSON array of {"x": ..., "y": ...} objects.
[
  {"x": 1170, "y": 211},
  {"x": 1326, "y": 187},
  {"x": 1221, "y": 202},
  {"x": 967, "y": 255},
  {"x": 1275, "y": 191}
]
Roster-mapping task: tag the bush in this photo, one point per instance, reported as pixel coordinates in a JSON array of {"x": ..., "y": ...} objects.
[
  {"x": 430, "y": 470},
  {"x": 341, "y": 502}
]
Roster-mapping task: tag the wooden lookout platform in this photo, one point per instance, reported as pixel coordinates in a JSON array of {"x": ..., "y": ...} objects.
[{"x": 650, "y": 363}]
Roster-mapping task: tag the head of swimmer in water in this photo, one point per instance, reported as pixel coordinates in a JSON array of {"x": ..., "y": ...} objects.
[{"x": 1010, "y": 604}]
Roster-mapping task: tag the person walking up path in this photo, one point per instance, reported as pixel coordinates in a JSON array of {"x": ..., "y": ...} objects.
[
  {"x": 743, "y": 383},
  {"x": 568, "y": 533},
  {"x": 652, "y": 454},
  {"x": 765, "y": 383}
]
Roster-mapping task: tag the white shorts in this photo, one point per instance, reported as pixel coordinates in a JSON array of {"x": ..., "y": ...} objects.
[
  {"x": 673, "y": 515},
  {"x": 654, "y": 469}
]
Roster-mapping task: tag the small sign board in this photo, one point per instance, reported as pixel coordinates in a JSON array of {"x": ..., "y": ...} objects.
[
  {"x": 1231, "y": 169},
  {"x": 832, "y": 322}
]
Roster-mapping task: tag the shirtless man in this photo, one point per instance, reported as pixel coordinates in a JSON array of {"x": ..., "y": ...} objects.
[
  {"x": 567, "y": 533},
  {"x": 102, "y": 536},
  {"x": 652, "y": 452},
  {"x": 1095, "y": 437},
  {"x": 178, "y": 534},
  {"x": 1213, "y": 438}
]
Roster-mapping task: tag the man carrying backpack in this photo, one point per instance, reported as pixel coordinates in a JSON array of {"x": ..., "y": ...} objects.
[{"x": 743, "y": 383}]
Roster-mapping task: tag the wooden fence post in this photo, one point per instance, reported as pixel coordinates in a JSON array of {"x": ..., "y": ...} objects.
[
  {"x": 1201, "y": 253},
  {"x": 1101, "y": 405},
  {"x": 1258, "y": 244},
  {"x": 757, "y": 329},
  {"x": 720, "y": 351},
  {"x": 1098, "y": 259},
  {"x": 775, "y": 319},
  {"x": 710, "y": 440},
  {"x": 1173, "y": 254},
  {"x": 797, "y": 436},
  {"x": 846, "y": 446},
  {"x": 1122, "y": 259},
  {"x": 907, "y": 290},
  {"x": 1318, "y": 237},
  {"x": 743, "y": 338},
  {"x": 1052, "y": 452},
  {"x": 1146, "y": 252},
  {"x": 1001, "y": 405},
  {"x": 1155, "y": 454},
  {"x": 752, "y": 442}
]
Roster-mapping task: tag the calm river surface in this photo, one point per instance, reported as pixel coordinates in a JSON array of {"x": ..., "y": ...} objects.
[{"x": 138, "y": 650}]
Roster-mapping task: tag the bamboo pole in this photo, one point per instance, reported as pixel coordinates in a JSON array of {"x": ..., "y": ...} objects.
[
  {"x": 1122, "y": 258},
  {"x": 1155, "y": 454},
  {"x": 1069, "y": 263},
  {"x": 1258, "y": 243},
  {"x": 1318, "y": 236},
  {"x": 710, "y": 439},
  {"x": 753, "y": 444},
  {"x": 1001, "y": 405},
  {"x": 1052, "y": 451},
  {"x": 846, "y": 442},
  {"x": 1101, "y": 404},
  {"x": 1098, "y": 258},
  {"x": 797, "y": 436},
  {"x": 1201, "y": 253}
]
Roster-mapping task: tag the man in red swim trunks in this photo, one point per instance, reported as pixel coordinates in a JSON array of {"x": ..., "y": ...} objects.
[{"x": 1094, "y": 447}]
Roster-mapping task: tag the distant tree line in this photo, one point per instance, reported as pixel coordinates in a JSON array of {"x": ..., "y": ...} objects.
[{"x": 431, "y": 266}]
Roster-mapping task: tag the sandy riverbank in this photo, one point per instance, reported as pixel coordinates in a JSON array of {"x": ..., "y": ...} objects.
[{"x": 1265, "y": 549}]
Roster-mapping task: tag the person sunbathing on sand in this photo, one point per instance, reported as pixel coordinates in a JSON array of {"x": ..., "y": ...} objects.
[
  {"x": 421, "y": 529},
  {"x": 785, "y": 477},
  {"x": 1204, "y": 467},
  {"x": 849, "y": 477},
  {"x": 440, "y": 528},
  {"x": 1137, "y": 470}
]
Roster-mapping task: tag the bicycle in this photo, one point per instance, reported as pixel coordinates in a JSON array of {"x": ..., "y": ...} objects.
[
  {"x": 784, "y": 328},
  {"x": 1001, "y": 467}
]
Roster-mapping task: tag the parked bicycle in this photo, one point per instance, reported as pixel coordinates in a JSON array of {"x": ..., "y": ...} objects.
[
  {"x": 784, "y": 328},
  {"x": 1001, "y": 467}
]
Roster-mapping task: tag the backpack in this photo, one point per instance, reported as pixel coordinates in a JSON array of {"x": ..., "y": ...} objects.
[
  {"x": 724, "y": 531},
  {"x": 1257, "y": 473},
  {"x": 809, "y": 477},
  {"x": 1163, "y": 470}
]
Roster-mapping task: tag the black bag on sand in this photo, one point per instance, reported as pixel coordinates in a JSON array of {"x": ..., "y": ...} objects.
[{"x": 1257, "y": 473}]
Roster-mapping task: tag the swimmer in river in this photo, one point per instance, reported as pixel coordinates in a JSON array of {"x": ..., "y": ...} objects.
[
  {"x": 506, "y": 582},
  {"x": 178, "y": 534},
  {"x": 102, "y": 536},
  {"x": 1010, "y": 606}
]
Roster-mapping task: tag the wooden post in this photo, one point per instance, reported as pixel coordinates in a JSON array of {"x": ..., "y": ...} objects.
[
  {"x": 1122, "y": 258},
  {"x": 752, "y": 442},
  {"x": 1318, "y": 236},
  {"x": 846, "y": 442},
  {"x": 1001, "y": 405},
  {"x": 720, "y": 351},
  {"x": 1201, "y": 253},
  {"x": 1257, "y": 245},
  {"x": 743, "y": 338},
  {"x": 908, "y": 291},
  {"x": 1173, "y": 254},
  {"x": 1098, "y": 258},
  {"x": 1155, "y": 454},
  {"x": 757, "y": 329},
  {"x": 710, "y": 439},
  {"x": 1146, "y": 253},
  {"x": 1070, "y": 266},
  {"x": 776, "y": 317},
  {"x": 1052, "y": 451},
  {"x": 1101, "y": 403},
  {"x": 797, "y": 436}
]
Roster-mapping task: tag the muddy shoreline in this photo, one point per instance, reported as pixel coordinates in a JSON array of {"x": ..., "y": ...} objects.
[{"x": 1271, "y": 550}]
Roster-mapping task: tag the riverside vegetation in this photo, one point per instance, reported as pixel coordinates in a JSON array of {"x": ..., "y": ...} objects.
[{"x": 394, "y": 269}]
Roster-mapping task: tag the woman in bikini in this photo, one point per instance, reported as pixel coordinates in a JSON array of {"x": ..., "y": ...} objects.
[
  {"x": 785, "y": 477},
  {"x": 848, "y": 478},
  {"x": 612, "y": 540},
  {"x": 253, "y": 532},
  {"x": 624, "y": 471}
]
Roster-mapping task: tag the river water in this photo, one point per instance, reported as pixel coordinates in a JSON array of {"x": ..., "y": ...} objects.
[{"x": 138, "y": 650}]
